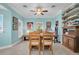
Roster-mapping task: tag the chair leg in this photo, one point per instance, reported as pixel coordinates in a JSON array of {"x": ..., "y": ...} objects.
[
  {"x": 51, "y": 50},
  {"x": 43, "y": 49},
  {"x": 30, "y": 51},
  {"x": 39, "y": 51}
]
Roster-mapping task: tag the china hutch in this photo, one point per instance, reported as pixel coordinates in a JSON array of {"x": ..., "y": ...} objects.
[{"x": 71, "y": 28}]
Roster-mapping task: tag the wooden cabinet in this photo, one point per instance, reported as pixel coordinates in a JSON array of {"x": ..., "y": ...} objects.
[
  {"x": 71, "y": 43},
  {"x": 71, "y": 40},
  {"x": 65, "y": 41}
]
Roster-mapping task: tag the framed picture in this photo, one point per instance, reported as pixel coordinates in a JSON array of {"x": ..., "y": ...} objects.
[
  {"x": 1, "y": 23},
  {"x": 15, "y": 23},
  {"x": 29, "y": 25},
  {"x": 48, "y": 25},
  {"x": 39, "y": 26}
]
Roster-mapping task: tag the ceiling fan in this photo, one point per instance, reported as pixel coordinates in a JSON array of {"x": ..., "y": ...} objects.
[{"x": 39, "y": 11}]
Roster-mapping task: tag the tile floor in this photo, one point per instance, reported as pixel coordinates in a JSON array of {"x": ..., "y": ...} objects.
[{"x": 23, "y": 49}]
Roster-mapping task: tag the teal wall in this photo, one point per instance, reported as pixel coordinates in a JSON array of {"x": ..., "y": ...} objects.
[
  {"x": 34, "y": 20},
  {"x": 15, "y": 33},
  {"x": 60, "y": 31},
  {"x": 5, "y": 36},
  {"x": 8, "y": 36}
]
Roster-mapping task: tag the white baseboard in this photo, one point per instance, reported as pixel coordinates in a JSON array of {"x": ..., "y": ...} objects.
[{"x": 8, "y": 46}]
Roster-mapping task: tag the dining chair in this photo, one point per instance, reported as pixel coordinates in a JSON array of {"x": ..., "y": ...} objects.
[
  {"x": 34, "y": 40},
  {"x": 47, "y": 41}
]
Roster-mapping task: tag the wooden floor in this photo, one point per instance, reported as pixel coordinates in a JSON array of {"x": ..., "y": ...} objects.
[{"x": 23, "y": 49}]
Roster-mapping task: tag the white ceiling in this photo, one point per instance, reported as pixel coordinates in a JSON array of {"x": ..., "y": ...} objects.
[
  {"x": 25, "y": 12},
  {"x": 2, "y": 7}
]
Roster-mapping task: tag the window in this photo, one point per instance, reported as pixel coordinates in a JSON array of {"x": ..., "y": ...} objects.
[{"x": 1, "y": 23}]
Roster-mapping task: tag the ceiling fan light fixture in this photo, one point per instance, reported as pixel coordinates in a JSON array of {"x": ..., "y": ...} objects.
[{"x": 39, "y": 11}]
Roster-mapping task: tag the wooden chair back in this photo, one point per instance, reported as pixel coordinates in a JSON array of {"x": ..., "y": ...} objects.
[
  {"x": 34, "y": 35},
  {"x": 48, "y": 35},
  {"x": 47, "y": 41},
  {"x": 34, "y": 40}
]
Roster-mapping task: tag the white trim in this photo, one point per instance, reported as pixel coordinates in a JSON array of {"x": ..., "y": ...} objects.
[{"x": 8, "y": 46}]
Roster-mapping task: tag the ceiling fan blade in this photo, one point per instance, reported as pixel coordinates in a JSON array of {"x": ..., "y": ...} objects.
[
  {"x": 45, "y": 11},
  {"x": 35, "y": 14},
  {"x": 42, "y": 14}
]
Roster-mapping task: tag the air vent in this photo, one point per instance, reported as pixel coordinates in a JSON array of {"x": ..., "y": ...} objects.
[
  {"x": 53, "y": 6},
  {"x": 25, "y": 6}
]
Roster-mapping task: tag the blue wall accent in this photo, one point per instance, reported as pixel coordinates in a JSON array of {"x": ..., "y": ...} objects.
[
  {"x": 8, "y": 36},
  {"x": 5, "y": 36},
  {"x": 15, "y": 33}
]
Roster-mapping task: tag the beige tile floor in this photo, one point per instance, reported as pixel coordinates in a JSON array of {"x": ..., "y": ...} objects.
[{"x": 23, "y": 49}]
